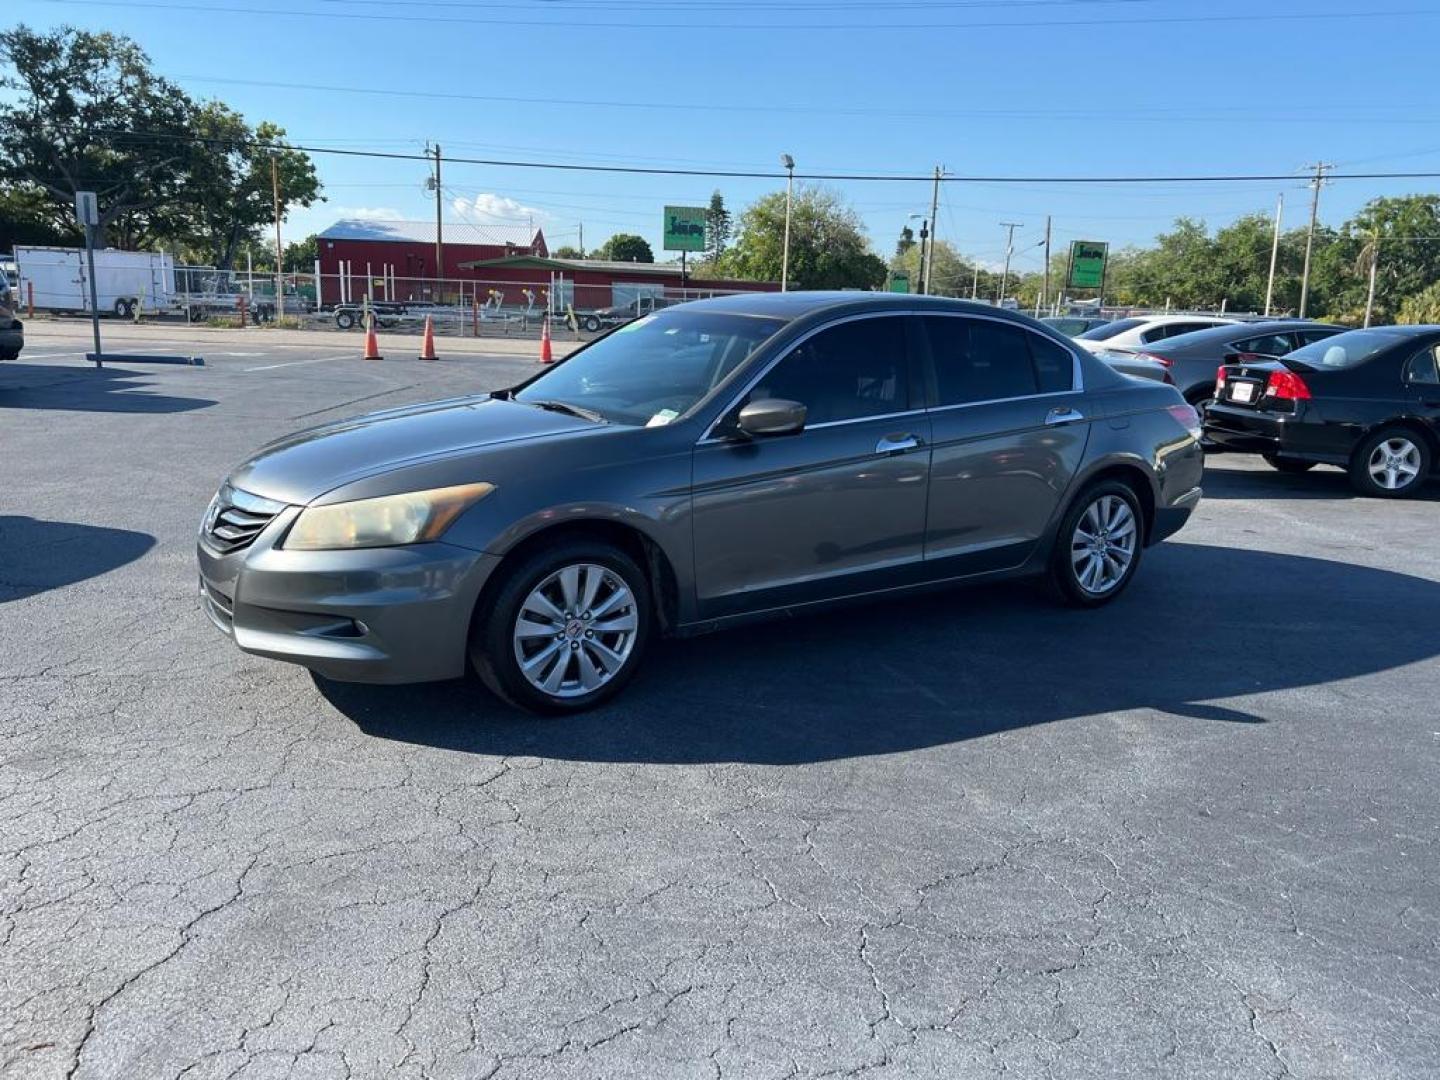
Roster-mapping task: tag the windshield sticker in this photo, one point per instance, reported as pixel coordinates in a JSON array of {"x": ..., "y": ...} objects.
[{"x": 661, "y": 418}]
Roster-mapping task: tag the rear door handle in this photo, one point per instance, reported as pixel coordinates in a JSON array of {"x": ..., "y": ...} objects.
[
  {"x": 897, "y": 444},
  {"x": 1064, "y": 415}
]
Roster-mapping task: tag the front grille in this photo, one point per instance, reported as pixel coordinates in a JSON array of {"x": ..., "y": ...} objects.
[{"x": 236, "y": 518}]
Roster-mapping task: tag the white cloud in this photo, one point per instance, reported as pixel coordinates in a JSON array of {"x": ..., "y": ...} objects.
[
  {"x": 487, "y": 208},
  {"x": 368, "y": 213}
]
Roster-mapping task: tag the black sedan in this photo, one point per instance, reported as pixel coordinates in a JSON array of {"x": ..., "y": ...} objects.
[
  {"x": 1191, "y": 359},
  {"x": 1366, "y": 400}
]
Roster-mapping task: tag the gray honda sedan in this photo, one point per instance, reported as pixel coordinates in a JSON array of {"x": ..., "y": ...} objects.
[{"x": 714, "y": 462}]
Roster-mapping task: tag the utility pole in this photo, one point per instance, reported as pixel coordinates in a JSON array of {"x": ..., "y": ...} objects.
[
  {"x": 1045, "y": 284},
  {"x": 928, "y": 259},
  {"x": 1315, "y": 184},
  {"x": 582, "y": 239},
  {"x": 1374, "y": 264},
  {"x": 279, "y": 266},
  {"x": 1009, "y": 250},
  {"x": 975, "y": 282},
  {"x": 1274, "y": 254},
  {"x": 439, "y": 227},
  {"x": 788, "y": 163}
]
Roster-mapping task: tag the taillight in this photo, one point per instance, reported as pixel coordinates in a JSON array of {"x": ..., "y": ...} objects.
[
  {"x": 1287, "y": 386},
  {"x": 1188, "y": 418},
  {"x": 1220, "y": 380},
  {"x": 1165, "y": 360}
]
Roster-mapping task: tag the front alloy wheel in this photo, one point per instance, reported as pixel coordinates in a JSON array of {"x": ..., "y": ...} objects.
[
  {"x": 566, "y": 628},
  {"x": 1099, "y": 545}
]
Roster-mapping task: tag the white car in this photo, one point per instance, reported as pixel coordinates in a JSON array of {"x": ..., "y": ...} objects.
[{"x": 1141, "y": 330}]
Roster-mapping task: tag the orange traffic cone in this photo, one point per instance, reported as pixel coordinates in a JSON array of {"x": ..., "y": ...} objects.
[
  {"x": 372, "y": 346},
  {"x": 427, "y": 350},
  {"x": 546, "y": 356}
]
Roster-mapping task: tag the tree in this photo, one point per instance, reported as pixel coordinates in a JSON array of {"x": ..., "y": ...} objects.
[
  {"x": 567, "y": 252},
  {"x": 905, "y": 243},
  {"x": 950, "y": 275},
  {"x": 90, "y": 116},
  {"x": 627, "y": 247},
  {"x": 24, "y": 219},
  {"x": 1422, "y": 308},
  {"x": 301, "y": 255},
  {"x": 828, "y": 249},
  {"x": 717, "y": 230}
]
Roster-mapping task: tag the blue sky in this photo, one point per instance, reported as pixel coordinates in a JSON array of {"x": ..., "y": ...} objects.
[{"x": 986, "y": 87}]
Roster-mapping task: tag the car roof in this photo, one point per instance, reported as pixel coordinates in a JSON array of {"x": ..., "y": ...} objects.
[
  {"x": 1248, "y": 329},
  {"x": 797, "y": 305}
]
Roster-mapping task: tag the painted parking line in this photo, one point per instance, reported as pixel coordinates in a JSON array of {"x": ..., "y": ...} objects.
[{"x": 300, "y": 363}]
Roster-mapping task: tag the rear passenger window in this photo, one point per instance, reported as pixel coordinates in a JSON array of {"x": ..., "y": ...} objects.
[
  {"x": 1267, "y": 345},
  {"x": 849, "y": 371},
  {"x": 1054, "y": 366},
  {"x": 1423, "y": 369},
  {"x": 979, "y": 360}
]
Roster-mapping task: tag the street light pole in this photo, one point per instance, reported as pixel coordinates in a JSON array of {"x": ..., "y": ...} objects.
[
  {"x": 789, "y": 163},
  {"x": 1274, "y": 254},
  {"x": 1009, "y": 250}
]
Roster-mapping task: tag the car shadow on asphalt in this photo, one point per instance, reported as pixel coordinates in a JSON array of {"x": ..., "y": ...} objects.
[
  {"x": 38, "y": 555},
  {"x": 75, "y": 388},
  {"x": 1319, "y": 483},
  {"x": 1199, "y": 626}
]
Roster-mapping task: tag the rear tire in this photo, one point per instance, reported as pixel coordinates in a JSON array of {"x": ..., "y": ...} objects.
[
  {"x": 1288, "y": 465},
  {"x": 1099, "y": 544},
  {"x": 563, "y": 618},
  {"x": 124, "y": 309},
  {"x": 1393, "y": 463},
  {"x": 344, "y": 320},
  {"x": 592, "y": 325}
]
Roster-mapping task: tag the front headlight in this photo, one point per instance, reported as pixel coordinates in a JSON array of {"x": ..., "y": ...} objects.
[{"x": 411, "y": 518}]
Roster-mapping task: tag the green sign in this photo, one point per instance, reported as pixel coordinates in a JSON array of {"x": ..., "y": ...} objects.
[
  {"x": 685, "y": 228},
  {"x": 900, "y": 283},
  {"x": 1087, "y": 265}
]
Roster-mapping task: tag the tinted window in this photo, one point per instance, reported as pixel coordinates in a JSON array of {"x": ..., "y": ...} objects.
[
  {"x": 1110, "y": 330},
  {"x": 1170, "y": 330},
  {"x": 1309, "y": 337},
  {"x": 1422, "y": 368},
  {"x": 1347, "y": 350},
  {"x": 1054, "y": 366},
  {"x": 979, "y": 360},
  {"x": 1266, "y": 345},
  {"x": 849, "y": 371}
]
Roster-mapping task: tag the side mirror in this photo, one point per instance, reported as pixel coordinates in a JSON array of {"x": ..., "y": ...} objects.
[{"x": 772, "y": 416}]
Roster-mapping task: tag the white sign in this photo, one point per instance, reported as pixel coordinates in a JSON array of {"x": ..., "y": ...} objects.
[{"x": 87, "y": 208}]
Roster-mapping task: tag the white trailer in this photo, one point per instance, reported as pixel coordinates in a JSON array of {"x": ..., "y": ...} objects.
[{"x": 125, "y": 281}]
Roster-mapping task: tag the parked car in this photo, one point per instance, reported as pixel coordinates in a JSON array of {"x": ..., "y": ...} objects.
[
  {"x": 1366, "y": 400},
  {"x": 723, "y": 460},
  {"x": 1193, "y": 358},
  {"x": 12, "y": 330},
  {"x": 1074, "y": 325},
  {"x": 1141, "y": 330},
  {"x": 1138, "y": 366}
]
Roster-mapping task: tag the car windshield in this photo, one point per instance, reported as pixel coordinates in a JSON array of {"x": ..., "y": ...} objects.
[
  {"x": 655, "y": 369},
  {"x": 1344, "y": 350},
  {"x": 1109, "y": 330}
]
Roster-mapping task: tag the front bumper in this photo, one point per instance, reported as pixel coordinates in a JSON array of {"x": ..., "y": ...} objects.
[{"x": 381, "y": 615}]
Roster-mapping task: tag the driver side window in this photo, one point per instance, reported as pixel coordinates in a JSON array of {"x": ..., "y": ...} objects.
[{"x": 848, "y": 372}]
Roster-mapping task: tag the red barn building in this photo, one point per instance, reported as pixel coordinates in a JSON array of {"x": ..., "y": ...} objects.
[
  {"x": 395, "y": 260},
  {"x": 599, "y": 283}
]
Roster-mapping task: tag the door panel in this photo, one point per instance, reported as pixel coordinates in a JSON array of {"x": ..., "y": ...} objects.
[
  {"x": 779, "y": 520},
  {"x": 1009, "y": 431},
  {"x": 834, "y": 509}
]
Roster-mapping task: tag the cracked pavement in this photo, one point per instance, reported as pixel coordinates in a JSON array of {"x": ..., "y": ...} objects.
[{"x": 1191, "y": 835}]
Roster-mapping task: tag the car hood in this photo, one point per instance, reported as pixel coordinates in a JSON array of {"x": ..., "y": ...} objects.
[{"x": 301, "y": 467}]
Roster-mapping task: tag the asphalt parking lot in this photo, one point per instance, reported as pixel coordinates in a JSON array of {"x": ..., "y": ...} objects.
[{"x": 1191, "y": 835}]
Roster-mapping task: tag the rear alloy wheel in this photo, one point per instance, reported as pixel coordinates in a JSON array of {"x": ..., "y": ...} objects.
[
  {"x": 1288, "y": 465},
  {"x": 1391, "y": 464},
  {"x": 1098, "y": 547},
  {"x": 566, "y": 629}
]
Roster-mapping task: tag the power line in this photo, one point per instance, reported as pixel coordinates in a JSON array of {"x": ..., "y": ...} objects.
[
  {"x": 645, "y": 170},
  {"x": 901, "y": 26}
]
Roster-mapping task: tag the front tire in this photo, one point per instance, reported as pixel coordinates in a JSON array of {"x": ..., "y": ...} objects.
[
  {"x": 566, "y": 628},
  {"x": 1288, "y": 465},
  {"x": 1393, "y": 463},
  {"x": 592, "y": 325},
  {"x": 1098, "y": 547}
]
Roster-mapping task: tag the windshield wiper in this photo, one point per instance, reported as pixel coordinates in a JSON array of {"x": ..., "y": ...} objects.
[{"x": 574, "y": 410}]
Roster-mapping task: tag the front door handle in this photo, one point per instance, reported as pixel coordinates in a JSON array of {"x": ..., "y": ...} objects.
[
  {"x": 896, "y": 444},
  {"x": 1064, "y": 415}
]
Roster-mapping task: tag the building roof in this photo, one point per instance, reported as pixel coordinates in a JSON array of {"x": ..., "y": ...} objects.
[
  {"x": 604, "y": 266},
  {"x": 423, "y": 232}
]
